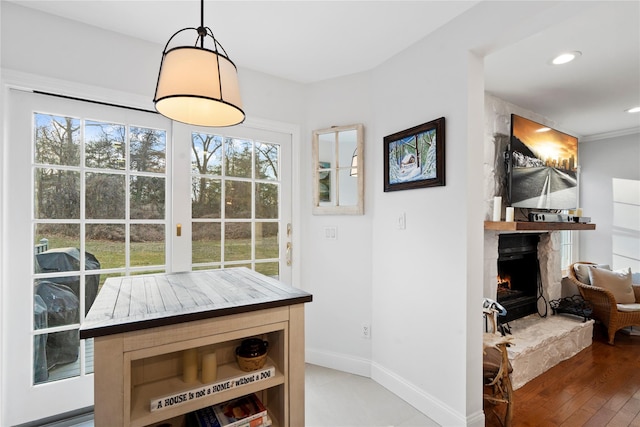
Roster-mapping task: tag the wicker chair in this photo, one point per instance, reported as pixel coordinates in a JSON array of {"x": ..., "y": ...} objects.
[{"x": 604, "y": 305}]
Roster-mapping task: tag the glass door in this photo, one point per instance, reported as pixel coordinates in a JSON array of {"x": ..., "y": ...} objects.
[
  {"x": 93, "y": 192},
  {"x": 233, "y": 197},
  {"x": 87, "y": 200}
]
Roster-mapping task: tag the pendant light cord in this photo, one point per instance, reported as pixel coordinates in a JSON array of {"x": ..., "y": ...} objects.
[
  {"x": 202, "y": 31},
  {"x": 93, "y": 101},
  {"x": 202, "y": 13}
]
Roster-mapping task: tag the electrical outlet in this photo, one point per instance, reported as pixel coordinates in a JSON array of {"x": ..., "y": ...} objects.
[{"x": 366, "y": 330}]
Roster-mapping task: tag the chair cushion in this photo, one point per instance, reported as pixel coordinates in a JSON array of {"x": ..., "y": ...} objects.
[
  {"x": 617, "y": 282},
  {"x": 582, "y": 271},
  {"x": 628, "y": 307}
]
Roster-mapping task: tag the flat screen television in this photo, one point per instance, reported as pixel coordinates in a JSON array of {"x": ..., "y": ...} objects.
[{"x": 542, "y": 167}]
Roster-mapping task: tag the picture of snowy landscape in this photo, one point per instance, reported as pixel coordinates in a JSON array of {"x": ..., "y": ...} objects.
[{"x": 413, "y": 158}]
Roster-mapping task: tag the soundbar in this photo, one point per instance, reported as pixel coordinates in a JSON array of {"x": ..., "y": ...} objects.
[{"x": 553, "y": 217}]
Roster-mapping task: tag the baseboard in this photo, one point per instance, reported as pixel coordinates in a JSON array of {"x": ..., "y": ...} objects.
[
  {"x": 339, "y": 361},
  {"x": 422, "y": 401}
]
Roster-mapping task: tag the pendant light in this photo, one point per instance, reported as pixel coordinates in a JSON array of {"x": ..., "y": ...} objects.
[{"x": 198, "y": 85}]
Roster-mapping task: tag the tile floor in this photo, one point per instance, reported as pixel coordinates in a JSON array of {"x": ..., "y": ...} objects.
[{"x": 338, "y": 399}]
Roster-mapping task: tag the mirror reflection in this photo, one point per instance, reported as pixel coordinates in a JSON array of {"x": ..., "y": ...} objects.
[{"x": 338, "y": 170}]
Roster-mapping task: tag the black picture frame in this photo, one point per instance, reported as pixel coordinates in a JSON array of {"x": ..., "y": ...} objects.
[{"x": 415, "y": 157}]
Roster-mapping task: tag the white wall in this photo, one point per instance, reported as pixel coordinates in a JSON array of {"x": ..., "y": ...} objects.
[
  {"x": 70, "y": 51},
  {"x": 421, "y": 291},
  {"x": 602, "y": 161},
  {"x": 338, "y": 272},
  {"x": 2, "y": 138}
]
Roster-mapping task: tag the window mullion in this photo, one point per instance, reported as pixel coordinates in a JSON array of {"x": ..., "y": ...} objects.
[
  {"x": 127, "y": 198},
  {"x": 253, "y": 205}
]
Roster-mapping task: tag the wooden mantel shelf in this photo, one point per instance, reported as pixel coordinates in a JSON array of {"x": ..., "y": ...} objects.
[{"x": 536, "y": 226}]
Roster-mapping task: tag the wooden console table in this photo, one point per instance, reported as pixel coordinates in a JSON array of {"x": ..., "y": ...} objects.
[{"x": 142, "y": 325}]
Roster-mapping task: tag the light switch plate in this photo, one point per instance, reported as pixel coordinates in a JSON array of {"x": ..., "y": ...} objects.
[{"x": 331, "y": 233}]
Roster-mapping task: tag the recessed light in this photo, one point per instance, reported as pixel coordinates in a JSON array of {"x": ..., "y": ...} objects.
[
  {"x": 563, "y": 58},
  {"x": 633, "y": 110}
]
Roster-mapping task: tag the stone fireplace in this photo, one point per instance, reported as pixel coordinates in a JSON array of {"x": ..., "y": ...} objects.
[{"x": 541, "y": 339}]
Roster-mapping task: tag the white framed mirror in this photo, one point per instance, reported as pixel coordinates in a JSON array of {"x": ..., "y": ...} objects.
[{"x": 338, "y": 170}]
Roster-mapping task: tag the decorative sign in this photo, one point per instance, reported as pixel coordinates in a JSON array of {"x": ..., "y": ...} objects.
[{"x": 177, "y": 399}]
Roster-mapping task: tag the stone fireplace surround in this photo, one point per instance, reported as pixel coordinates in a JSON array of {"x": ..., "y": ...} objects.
[{"x": 540, "y": 342}]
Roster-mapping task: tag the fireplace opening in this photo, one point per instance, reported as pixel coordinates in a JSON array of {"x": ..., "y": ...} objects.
[{"x": 519, "y": 283}]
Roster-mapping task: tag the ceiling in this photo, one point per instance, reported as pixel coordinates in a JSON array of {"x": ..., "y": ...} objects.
[
  {"x": 309, "y": 41},
  {"x": 586, "y": 97}
]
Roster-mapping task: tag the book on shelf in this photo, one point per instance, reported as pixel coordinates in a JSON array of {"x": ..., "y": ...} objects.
[
  {"x": 237, "y": 412},
  {"x": 204, "y": 417},
  {"x": 245, "y": 411},
  {"x": 192, "y": 420}
]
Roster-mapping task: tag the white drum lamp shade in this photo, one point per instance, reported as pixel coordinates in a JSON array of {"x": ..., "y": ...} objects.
[{"x": 200, "y": 87}]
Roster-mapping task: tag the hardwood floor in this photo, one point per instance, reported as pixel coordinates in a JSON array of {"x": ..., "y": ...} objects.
[{"x": 600, "y": 386}]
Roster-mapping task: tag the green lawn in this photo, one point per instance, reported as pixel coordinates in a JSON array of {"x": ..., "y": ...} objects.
[{"x": 110, "y": 254}]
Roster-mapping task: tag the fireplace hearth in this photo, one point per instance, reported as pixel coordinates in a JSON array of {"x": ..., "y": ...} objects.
[{"x": 519, "y": 284}]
